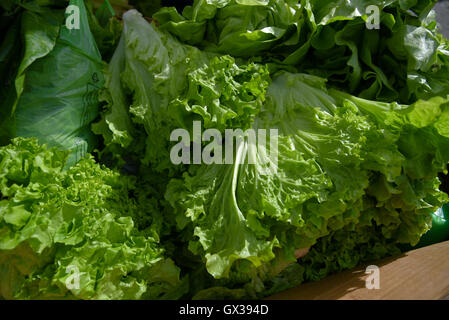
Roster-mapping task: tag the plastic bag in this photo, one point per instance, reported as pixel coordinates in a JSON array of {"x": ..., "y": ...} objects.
[{"x": 57, "y": 93}]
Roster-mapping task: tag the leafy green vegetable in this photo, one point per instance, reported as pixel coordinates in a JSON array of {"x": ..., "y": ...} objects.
[
  {"x": 344, "y": 162},
  {"x": 147, "y": 8},
  {"x": 9, "y": 49},
  {"x": 54, "y": 221},
  {"x": 239, "y": 28},
  {"x": 55, "y": 107},
  {"x": 172, "y": 85},
  {"x": 106, "y": 30},
  {"x": 404, "y": 60},
  {"x": 345, "y": 249},
  {"x": 356, "y": 120}
]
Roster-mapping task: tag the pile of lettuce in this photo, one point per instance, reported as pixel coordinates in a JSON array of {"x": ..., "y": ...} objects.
[
  {"x": 85, "y": 219},
  {"x": 404, "y": 60},
  {"x": 362, "y": 122}
]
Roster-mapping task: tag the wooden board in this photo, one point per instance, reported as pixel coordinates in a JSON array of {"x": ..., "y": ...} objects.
[{"x": 417, "y": 275}]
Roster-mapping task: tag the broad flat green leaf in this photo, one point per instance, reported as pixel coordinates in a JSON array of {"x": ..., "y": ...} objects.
[{"x": 39, "y": 42}]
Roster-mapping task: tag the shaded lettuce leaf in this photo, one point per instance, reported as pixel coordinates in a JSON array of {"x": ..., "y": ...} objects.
[
  {"x": 239, "y": 28},
  {"x": 148, "y": 8},
  {"x": 345, "y": 249},
  {"x": 379, "y": 64},
  {"x": 10, "y": 48},
  {"x": 106, "y": 31},
  {"x": 22, "y": 45},
  {"x": 326, "y": 12},
  {"x": 329, "y": 39},
  {"x": 246, "y": 281}
]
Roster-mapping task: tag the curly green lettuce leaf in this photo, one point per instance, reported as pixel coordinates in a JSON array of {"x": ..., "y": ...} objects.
[
  {"x": 224, "y": 95},
  {"x": 155, "y": 85},
  {"x": 152, "y": 66},
  {"x": 240, "y": 28},
  {"x": 284, "y": 202},
  {"x": 346, "y": 249},
  {"x": 57, "y": 226}
]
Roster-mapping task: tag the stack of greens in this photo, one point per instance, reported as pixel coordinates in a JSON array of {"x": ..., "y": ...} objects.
[{"x": 362, "y": 122}]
